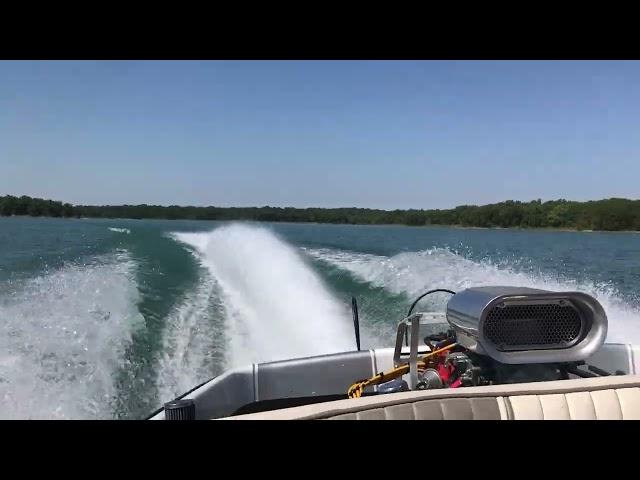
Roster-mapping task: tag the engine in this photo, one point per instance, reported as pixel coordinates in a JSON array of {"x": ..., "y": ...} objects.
[
  {"x": 525, "y": 325},
  {"x": 499, "y": 335}
]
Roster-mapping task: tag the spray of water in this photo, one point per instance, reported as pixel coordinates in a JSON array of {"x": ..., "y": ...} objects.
[
  {"x": 194, "y": 341},
  {"x": 414, "y": 272},
  {"x": 276, "y": 306},
  {"x": 63, "y": 337}
]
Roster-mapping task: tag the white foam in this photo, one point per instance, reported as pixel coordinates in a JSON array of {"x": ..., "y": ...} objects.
[
  {"x": 277, "y": 307},
  {"x": 120, "y": 230},
  {"x": 63, "y": 337},
  {"x": 191, "y": 342},
  {"x": 415, "y": 272}
]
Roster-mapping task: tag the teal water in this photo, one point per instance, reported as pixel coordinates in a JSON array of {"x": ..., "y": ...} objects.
[{"x": 110, "y": 318}]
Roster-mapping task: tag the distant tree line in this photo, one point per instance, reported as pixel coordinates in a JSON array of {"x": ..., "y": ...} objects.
[
  {"x": 609, "y": 214},
  {"x": 35, "y": 207}
]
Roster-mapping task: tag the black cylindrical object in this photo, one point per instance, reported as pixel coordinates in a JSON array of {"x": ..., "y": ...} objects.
[
  {"x": 393, "y": 386},
  {"x": 180, "y": 410},
  {"x": 356, "y": 321}
]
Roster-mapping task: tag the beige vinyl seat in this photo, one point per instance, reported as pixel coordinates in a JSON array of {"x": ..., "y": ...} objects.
[{"x": 600, "y": 398}]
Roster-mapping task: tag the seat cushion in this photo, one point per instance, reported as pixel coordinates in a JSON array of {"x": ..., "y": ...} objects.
[{"x": 613, "y": 397}]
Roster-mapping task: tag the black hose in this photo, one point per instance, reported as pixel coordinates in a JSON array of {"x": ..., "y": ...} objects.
[
  {"x": 599, "y": 371},
  {"x": 580, "y": 373},
  {"x": 427, "y": 293}
]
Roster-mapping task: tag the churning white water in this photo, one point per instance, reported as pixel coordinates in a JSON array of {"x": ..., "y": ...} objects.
[
  {"x": 62, "y": 339},
  {"x": 192, "y": 342},
  {"x": 415, "y": 272},
  {"x": 277, "y": 306}
]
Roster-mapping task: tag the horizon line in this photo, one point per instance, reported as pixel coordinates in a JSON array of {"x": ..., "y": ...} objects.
[{"x": 323, "y": 208}]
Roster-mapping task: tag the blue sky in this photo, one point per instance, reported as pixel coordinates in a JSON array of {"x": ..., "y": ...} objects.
[{"x": 394, "y": 134}]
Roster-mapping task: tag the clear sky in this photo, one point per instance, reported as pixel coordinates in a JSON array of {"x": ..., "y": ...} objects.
[{"x": 391, "y": 134}]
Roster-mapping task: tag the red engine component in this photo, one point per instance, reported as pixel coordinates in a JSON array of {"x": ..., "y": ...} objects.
[{"x": 446, "y": 370}]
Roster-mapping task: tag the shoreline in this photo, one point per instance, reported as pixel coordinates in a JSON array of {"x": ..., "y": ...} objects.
[
  {"x": 609, "y": 215},
  {"x": 457, "y": 227}
]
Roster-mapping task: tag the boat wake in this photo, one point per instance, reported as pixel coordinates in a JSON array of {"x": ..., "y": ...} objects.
[
  {"x": 63, "y": 339},
  {"x": 194, "y": 341},
  {"x": 276, "y": 305},
  {"x": 413, "y": 273}
]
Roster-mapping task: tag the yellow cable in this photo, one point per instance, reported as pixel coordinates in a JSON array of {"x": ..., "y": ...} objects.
[{"x": 356, "y": 390}]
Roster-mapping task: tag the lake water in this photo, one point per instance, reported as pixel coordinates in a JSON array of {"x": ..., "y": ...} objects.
[{"x": 111, "y": 318}]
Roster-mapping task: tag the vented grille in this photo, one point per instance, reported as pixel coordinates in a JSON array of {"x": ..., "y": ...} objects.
[{"x": 515, "y": 327}]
